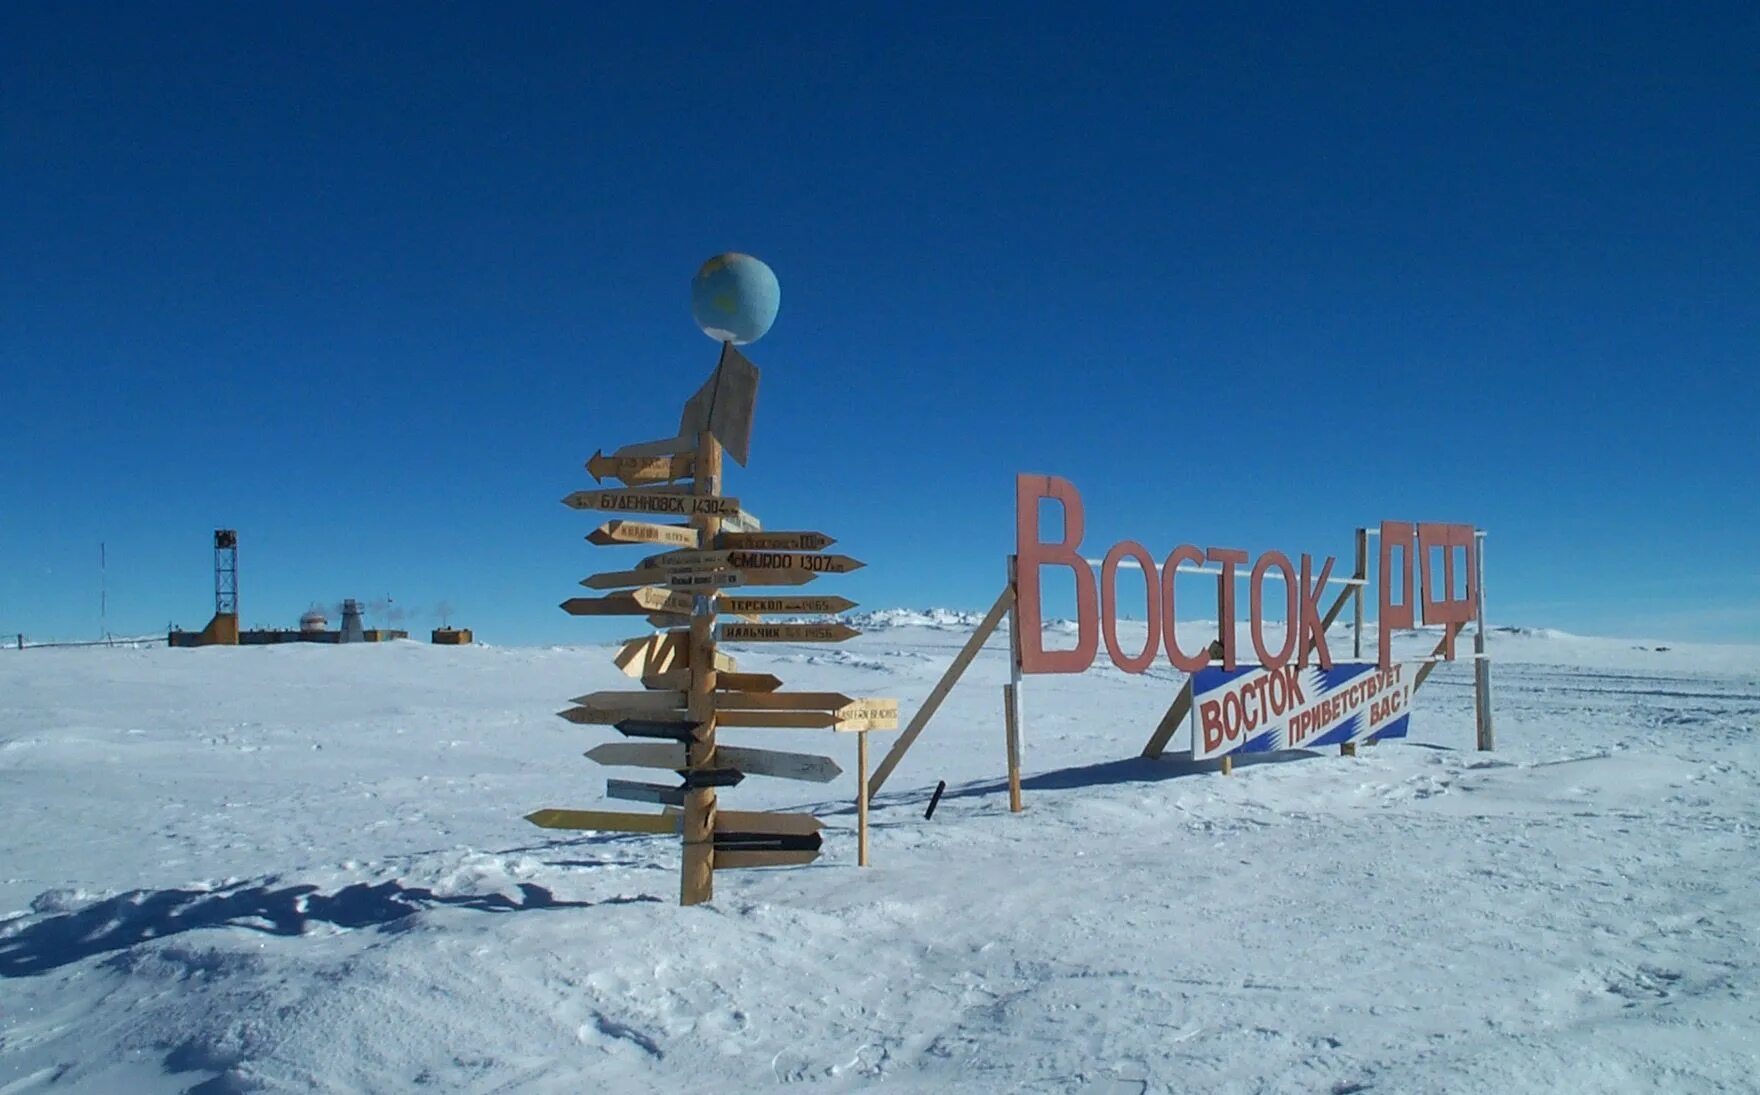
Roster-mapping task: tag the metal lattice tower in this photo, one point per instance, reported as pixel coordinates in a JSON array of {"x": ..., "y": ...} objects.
[{"x": 225, "y": 572}]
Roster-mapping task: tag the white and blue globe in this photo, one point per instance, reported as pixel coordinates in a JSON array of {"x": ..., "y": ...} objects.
[{"x": 734, "y": 298}]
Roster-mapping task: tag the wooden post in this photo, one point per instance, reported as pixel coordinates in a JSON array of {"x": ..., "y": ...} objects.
[
  {"x": 697, "y": 881},
  {"x": 862, "y": 799},
  {"x": 1481, "y": 664},
  {"x": 1013, "y": 736},
  {"x": 1014, "y": 659},
  {"x": 1228, "y": 764},
  {"x": 992, "y": 620}
]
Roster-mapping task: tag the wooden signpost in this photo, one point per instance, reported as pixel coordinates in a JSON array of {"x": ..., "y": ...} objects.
[{"x": 690, "y": 689}]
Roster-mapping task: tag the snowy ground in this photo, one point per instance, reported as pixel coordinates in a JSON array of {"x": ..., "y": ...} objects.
[{"x": 304, "y": 868}]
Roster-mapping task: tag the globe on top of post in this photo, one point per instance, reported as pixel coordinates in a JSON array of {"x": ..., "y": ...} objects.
[{"x": 734, "y": 298}]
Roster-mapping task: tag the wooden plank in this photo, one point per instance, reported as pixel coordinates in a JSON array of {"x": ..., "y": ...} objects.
[
  {"x": 604, "y": 821},
  {"x": 741, "y": 559},
  {"x": 633, "y": 701},
  {"x": 611, "y": 579},
  {"x": 649, "y": 654},
  {"x": 778, "y": 720},
  {"x": 641, "y": 469},
  {"x": 775, "y": 541},
  {"x": 621, "y": 531},
  {"x": 743, "y": 521},
  {"x": 724, "y": 681},
  {"x": 991, "y": 621},
  {"x": 781, "y": 701},
  {"x": 668, "y": 620},
  {"x": 766, "y": 606},
  {"x": 659, "y": 503},
  {"x": 732, "y": 860},
  {"x": 723, "y": 406},
  {"x": 633, "y": 791},
  {"x": 659, "y": 599},
  {"x": 786, "y": 633}
]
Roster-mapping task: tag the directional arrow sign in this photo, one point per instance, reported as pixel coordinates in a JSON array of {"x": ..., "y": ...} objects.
[
  {"x": 664, "y": 503},
  {"x": 780, "y": 701},
  {"x": 668, "y": 619},
  {"x": 776, "y": 541},
  {"x": 652, "y": 654},
  {"x": 612, "y": 716},
  {"x": 785, "y": 633},
  {"x": 675, "y": 730},
  {"x": 641, "y": 469},
  {"x": 634, "y": 701},
  {"x": 618, "y": 604},
  {"x": 680, "y": 679},
  {"x": 860, "y": 715},
  {"x": 752, "y": 762},
  {"x": 631, "y": 791},
  {"x": 605, "y": 821},
  {"x": 644, "y": 532},
  {"x": 761, "y": 606},
  {"x": 614, "y": 578},
  {"x": 710, "y": 777},
  {"x": 749, "y": 821},
  {"x": 728, "y": 841},
  {"x": 754, "y": 560}
]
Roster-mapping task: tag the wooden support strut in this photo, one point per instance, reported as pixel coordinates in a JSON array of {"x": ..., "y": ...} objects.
[
  {"x": 1011, "y": 717},
  {"x": 992, "y": 620}
]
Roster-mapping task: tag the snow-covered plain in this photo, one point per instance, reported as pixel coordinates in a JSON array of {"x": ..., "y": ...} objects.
[{"x": 304, "y": 868}]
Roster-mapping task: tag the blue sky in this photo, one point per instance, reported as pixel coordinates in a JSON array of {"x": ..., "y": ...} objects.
[{"x": 369, "y": 284}]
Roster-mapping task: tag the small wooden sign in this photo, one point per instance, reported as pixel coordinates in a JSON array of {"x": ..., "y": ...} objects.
[
  {"x": 597, "y": 715},
  {"x": 663, "y": 503},
  {"x": 751, "y": 762},
  {"x": 780, "y": 701},
  {"x": 793, "y": 560},
  {"x": 695, "y": 778},
  {"x": 633, "y": 791},
  {"x": 668, "y": 619},
  {"x": 868, "y": 714},
  {"x": 734, "y": 859},
  {"x": 611, "y": 579},
  {"x": 785, "y": 633},
  {"x": 775, "y": 541},
  {"x": 605, "y": 821},
  {"x": 641, "y": 469},
  {"x": 770, "y": 606},
  {"x": 621, "y": 531}
]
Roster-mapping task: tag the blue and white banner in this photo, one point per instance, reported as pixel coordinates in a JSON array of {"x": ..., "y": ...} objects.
[{"x": 1250, "y": 709}]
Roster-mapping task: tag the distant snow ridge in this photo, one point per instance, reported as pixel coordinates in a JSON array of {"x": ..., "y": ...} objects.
[{"x": 941, "y": 619}]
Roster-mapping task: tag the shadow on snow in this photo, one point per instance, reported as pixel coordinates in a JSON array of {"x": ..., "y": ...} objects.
[{"x": 141, "y": 915}]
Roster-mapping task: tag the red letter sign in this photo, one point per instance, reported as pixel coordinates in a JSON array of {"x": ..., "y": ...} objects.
[{"x": 1032, "y": 554}]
